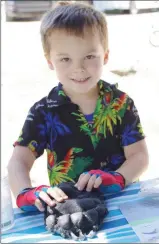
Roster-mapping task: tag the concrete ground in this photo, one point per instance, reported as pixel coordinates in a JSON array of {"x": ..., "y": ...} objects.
[{"x": 26, "y": 78}]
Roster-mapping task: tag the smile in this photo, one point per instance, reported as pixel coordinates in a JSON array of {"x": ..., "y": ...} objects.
[{"x": 82, "y": 80}]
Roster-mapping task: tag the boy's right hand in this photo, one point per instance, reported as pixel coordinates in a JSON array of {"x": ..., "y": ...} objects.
[{"x": 30, "y": 199}]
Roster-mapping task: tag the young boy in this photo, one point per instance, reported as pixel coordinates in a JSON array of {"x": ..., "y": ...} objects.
[{"x": 90, "y": 129}]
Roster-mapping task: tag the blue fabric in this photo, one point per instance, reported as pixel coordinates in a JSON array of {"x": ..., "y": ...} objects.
[
  {"x": 109, "y": 189},
  {"x": 29, "y": 227},
  {"x": 30, "y": 208},
  {"x": 89, "y": 117}
]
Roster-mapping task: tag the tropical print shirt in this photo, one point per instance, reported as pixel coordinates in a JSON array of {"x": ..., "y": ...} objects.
[{"x": 75, "y": 144}]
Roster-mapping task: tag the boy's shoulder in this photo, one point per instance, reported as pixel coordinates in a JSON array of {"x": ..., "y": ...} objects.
[
  {"x": 55, "y": 98},
  {"x": 113, "y": 92}
]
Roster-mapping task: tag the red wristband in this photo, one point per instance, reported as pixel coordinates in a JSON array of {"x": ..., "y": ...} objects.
[{"x": 28, "y": 196}]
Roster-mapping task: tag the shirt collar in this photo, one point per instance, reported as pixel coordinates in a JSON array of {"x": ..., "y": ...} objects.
[{"x": 58, "y": 96}]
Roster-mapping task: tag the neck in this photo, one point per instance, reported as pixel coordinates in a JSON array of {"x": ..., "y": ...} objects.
[
  {"x": 85, "y": 101},
  {"x": 82, "y": 97}
]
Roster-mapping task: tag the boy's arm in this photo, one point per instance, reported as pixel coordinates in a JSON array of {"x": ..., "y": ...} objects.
[
  {"x": 19, "y": 167},
  {"x": 136, "y": 163},
  {"x": 132, "y": 140},
  {"x": 133, "y": 143},
  {"x": 26, "y": 149},
  {"x": 29, "y": 146}
]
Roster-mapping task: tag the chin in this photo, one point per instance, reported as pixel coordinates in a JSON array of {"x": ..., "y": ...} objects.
[
  {"x": 82, "y": 91},
  {"x": 84, "y": 88}
]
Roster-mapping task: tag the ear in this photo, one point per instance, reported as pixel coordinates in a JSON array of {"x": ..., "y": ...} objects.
[
  {"x": 106, "y": 56},
  {"x": 50, "y": 64}
]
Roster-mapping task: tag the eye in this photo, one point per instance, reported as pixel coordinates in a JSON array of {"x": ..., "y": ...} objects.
[
  {"x": 64, "y": 59},
  {"x": 90, "y": 57}
]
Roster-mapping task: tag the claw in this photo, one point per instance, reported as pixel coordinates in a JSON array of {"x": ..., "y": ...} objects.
[
  {"x": 57, "y": 230},
  {"x": 74, "y": 237},
  {"x": 65, "y": 234},
  {"x": 49, "y": 210},
  {"x": 91, "y": 234},
  {"x": 50, "y": 230},
  {"x": 50, "y": 221},
  {"x": 95, "y": 228},
  {"x": 82, "y": 237}
]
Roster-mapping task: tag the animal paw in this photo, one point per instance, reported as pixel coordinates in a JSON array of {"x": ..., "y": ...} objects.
[{"x": 76, "y": 218}]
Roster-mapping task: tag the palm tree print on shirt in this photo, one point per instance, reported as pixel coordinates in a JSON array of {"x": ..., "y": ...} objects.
[
  {"x": 54, "y": 126},
  {"x": 59, "y": 171},
  {"x": 106, "y": 115},
  {"x": 129, "y": 134},
  {"x": 117, "y": 159}
]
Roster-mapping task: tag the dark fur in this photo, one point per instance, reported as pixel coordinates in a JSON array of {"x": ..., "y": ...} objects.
[{"x": 81, "y": 214}]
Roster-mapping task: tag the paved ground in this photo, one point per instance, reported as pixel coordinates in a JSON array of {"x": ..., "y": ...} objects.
[{"x": 26, "y": 78}]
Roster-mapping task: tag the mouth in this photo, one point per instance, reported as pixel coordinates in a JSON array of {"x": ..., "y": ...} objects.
[{"x": 82, "y": 80}]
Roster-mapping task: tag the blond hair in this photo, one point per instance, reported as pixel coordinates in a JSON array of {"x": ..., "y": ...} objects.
[{"x": 74, "y": 18}]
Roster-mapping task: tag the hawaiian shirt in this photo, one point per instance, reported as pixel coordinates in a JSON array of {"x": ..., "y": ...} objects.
[{"x": 73, "y": 143}]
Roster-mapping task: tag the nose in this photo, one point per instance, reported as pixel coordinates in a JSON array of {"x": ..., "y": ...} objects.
[{"x": 78, "y": 66}]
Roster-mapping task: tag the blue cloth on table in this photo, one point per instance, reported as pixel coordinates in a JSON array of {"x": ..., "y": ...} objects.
[{"x": 29, "y": 227}]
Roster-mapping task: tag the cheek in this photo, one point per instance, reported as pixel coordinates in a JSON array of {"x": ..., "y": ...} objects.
[
  {"x": 61, "y": 68},
  {"x": 94, "y": 65}
]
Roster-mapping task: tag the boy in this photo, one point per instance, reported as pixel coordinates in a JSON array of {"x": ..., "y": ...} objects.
[{"x": 90, "y": 129}]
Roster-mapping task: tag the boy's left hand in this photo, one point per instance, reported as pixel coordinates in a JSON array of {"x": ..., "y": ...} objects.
[{"x": 109, "y": 182}]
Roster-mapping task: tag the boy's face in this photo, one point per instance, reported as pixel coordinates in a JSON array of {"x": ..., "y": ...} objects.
[{"x": 78, "y": 62}]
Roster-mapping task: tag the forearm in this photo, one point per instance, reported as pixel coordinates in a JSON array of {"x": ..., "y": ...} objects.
[
  {"x": 134, "y": 167},
  {"x": 19, "y": 178}
]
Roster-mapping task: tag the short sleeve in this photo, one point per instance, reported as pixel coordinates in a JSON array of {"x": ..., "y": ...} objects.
[
  {"x": 33, "y": 133},
  {"x": 130, "y": 128}
]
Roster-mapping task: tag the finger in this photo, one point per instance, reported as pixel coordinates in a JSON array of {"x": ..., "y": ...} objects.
[
  {"x": 45, "y": 197},
  {"x": 91, "y": 183},
  {"x": 98, "y": 182},
  {"x": 63, "y": 195},
  {"x": 57, "y": 193},
  {"x": 39, "y": 205},
  {"x": 83, "y": 182},
  {"x": 79, "y": 179}
]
